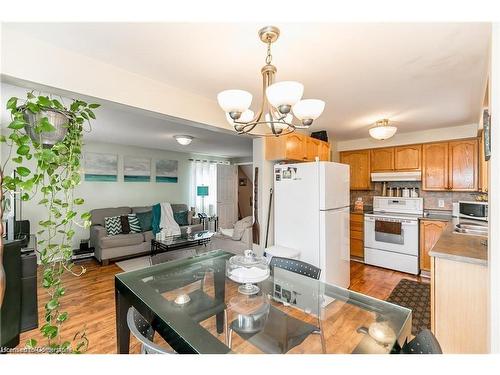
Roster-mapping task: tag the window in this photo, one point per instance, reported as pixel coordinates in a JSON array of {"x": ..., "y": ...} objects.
[{"x": 203, "y": 176}]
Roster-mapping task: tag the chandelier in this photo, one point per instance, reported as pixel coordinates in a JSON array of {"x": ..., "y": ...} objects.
[
  {"x": 382, "y": 130},
  {"x": 279, "y": 101}
]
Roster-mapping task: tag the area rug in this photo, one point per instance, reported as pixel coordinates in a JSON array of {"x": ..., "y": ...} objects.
[
  {"x": 417, "y": 297},
  {"x": 134, "y": 263}
]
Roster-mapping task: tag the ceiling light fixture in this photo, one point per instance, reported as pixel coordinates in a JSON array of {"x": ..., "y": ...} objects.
[
  {"x": 382, "y": 130},
  {"x": 279, "y": 101},
  {"x": 183, "y": 139}
]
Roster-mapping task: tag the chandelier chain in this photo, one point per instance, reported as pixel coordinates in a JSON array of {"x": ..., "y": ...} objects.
[{"x": 269, "y": 57}]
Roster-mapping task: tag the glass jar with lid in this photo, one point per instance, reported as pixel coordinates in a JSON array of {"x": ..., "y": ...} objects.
[{"x": 247, "y": 269}]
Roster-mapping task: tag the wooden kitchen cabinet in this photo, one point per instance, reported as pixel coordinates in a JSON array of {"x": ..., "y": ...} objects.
[
  {"x": 296, "y": 147},
  {"x": 450, "y": 166},
  {"x": 312, "y": 148},
  {"x": 359, "y": 162},
  {"x": 357, "y": 235},
  {"x": 382, "y": 159},
  {"x": 463, "y": 168},
  {"x": 435, "y": 166},
  {"x": 430, "y": 231},
  {"x": 408, "y": 158},
  {"x": 324, "y": 151}
]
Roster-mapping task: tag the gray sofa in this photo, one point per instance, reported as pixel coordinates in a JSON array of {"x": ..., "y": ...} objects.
[{"x": 123, "y": 246}]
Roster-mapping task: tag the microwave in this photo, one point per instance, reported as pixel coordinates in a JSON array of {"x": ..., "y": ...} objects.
[{"x": 473, "y": 210}]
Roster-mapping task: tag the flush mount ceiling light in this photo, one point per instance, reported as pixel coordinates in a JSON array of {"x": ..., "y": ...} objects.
[
  {"x": 279, "y": 101},
  {"x": 382, "y": 130},
  {"x": 183, "y": 139}
]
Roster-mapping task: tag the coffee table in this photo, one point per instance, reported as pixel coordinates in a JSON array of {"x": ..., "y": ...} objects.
[{"x": 181, "y": 241}]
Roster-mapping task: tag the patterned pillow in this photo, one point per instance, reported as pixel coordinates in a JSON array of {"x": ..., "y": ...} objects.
[
  {"x": 113, "y": 225},
  {"x": 181, "y": 217},
  {"x": 133, "y": 223}
]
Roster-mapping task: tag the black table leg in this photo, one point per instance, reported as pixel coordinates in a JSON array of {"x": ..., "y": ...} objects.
[
  {"x": 220, "y": 290},
  {"x": 122, "y": 330}
]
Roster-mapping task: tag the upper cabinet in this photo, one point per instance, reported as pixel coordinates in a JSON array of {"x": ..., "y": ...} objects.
[
  {"x": 463, "y": 169},
  {"x": 450, "y": 166},
  {"x": 296, "y": 147},
  {"x": 382, "y": 159},
  {"x": 396, "y": 159},
  {"x": 408, "y": 158},
  {"x": 435, "y": 166},
  {"x": 359, "y": 162}
]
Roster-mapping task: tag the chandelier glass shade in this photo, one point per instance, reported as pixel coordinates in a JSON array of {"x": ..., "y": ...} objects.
[
  {"x": 279, "y": 103},
  {"x": 382, "y": 130}
]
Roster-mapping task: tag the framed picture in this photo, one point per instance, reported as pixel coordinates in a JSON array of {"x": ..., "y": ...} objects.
[
  {"x": 136, "y": 169},
  {"x": 487, "y": 134},
  {"x": 167, "y": 171},
  {"x": 243, "y": 181},
  {"x": 100, "y": 167}
]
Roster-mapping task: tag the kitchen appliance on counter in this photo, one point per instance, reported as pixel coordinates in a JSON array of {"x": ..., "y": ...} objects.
[
  {"x": 473, "y": 210},
  {"x": 311, "y": 214},
  {"x": 391, "y": 233}
]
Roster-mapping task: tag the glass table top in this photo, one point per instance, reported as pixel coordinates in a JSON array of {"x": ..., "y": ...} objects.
[
  {"x": 287, "y": 315},
  {"x": 184, "y": 238}
]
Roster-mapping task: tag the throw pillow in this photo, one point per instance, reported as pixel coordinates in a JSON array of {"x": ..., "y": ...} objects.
[
  {"x": 226, "y": 232},
  {"x": 146, "y": 220},
  {"x": 181, "y": 217},
  {"x": 124, "y": 223},
  {"x": 134, "y": 224},
  {"x": 113, "y": 225},
  {"x": 240, "y": 226}
]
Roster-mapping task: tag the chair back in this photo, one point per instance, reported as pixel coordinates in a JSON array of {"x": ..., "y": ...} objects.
[
  {"x": 296, "y": 266},
  {"x": 142, "y": 331},
  {"x": 424, "y": 343}
]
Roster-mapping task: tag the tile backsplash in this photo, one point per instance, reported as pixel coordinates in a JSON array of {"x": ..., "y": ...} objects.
[{"x": 431, "y": 198}]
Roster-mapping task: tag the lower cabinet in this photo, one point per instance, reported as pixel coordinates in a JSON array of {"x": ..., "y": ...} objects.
[
  {"x": 459, "y": 300},
  {"x": 357, "y": 235},
  {"x": 430, "y": 231}
]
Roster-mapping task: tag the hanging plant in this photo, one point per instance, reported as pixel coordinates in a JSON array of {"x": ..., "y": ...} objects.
[{"x": 45, "y": 147}]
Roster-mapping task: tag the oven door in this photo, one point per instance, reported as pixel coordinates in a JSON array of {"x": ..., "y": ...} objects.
[{"x": 390, "y": 234}]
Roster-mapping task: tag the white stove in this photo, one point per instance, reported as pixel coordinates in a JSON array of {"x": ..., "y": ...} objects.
[{"x": 391, "y": 233}]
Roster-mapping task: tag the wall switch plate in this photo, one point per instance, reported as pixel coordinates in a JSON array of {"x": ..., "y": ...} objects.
[{"x": 441, "y": 203}]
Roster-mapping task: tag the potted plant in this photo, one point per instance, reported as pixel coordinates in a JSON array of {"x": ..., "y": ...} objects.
[{"x": 45, "y": 147}]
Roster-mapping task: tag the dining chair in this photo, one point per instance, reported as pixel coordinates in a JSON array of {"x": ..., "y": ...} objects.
[
  {"x": 282, "y": 332},
  {"x": 424, "y": 343},
  {"x": 144, "y": 333}
]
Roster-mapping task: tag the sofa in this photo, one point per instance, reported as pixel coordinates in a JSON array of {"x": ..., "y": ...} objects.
[{"x": 123, "y": 246}]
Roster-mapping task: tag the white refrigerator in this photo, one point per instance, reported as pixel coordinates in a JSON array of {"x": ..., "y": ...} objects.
[{"x": 311, "y": 214}]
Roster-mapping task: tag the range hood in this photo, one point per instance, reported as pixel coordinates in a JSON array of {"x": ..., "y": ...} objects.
[{"x": 397, "y": 176}]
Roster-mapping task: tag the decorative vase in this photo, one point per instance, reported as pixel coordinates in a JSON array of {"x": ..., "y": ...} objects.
[{"x": 57, "y": 118}]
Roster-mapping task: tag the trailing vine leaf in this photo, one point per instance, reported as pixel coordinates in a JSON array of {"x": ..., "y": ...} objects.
[{"x": 55, "y": 175}]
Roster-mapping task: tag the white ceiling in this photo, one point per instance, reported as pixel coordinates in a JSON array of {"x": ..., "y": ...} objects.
[
  {"x": 421, "y": 75},
  {"x": 120, "y": 124}
]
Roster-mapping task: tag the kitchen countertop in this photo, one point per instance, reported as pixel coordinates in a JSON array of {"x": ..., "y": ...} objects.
[{"x": 460, "y": 247}]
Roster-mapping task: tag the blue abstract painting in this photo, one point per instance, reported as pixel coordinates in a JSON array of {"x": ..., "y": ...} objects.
[
  {"x": 100, "y": 167},
  {"x": 136, "y": 169},
  {"x": 166, "y": 171}
]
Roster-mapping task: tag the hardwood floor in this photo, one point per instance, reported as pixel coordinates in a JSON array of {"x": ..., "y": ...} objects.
[{"x": 89, "y": 300}]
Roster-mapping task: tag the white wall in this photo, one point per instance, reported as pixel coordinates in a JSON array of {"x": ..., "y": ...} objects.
[
  {"x": 494, "y": 194},
  {"x": 424, "y": 136},
  {"x": 73, "y": 72},
  {"x": 120, "y": 193}
]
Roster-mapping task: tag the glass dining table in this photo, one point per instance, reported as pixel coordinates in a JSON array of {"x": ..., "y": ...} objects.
[{"x": 196, "y": 308}]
